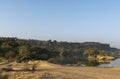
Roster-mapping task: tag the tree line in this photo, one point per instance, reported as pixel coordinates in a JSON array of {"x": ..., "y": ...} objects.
[{"x": 52, "y": 51}]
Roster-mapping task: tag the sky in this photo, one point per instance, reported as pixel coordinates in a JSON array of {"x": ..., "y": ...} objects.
[{"x": 62, "y": 20}]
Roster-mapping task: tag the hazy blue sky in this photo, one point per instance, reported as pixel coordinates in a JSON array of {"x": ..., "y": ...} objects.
[{"x": 63, "y": 20}]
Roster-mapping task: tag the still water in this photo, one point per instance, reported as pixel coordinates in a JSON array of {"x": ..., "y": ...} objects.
[{"x": 115, "y": 63}]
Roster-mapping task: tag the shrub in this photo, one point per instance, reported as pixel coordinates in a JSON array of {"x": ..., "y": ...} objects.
[
  {"x": 3, "y": 76},
  {"x": 92, "y": 63},
  {"x": 47, "y": 76}
]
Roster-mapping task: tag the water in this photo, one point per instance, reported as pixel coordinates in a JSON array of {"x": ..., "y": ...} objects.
[{"x": 115, "y": 63}]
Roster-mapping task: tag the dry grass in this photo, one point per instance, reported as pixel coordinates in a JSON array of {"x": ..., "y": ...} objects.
[{"x": 53, "y": 71}]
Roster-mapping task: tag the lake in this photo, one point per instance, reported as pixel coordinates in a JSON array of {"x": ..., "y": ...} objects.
[{"x": 115, "y": 63}]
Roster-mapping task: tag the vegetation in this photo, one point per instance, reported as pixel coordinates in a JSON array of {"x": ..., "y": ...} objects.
[
  {"x": 3, "y": 76},
  {"x": 52, "y": 51}
]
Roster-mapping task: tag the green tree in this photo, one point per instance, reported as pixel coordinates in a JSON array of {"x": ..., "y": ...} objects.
[
  {"x": 91, "y": 52},
  {"x": 102, "y": 53},
  {"x": 6, "y": 45},
  {"x": 1, "y": 53},
  {"x": 10, "y": 55},
  {"x": 24, "y": 52}
]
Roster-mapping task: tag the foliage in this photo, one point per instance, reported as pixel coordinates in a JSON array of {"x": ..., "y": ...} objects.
[
  {"x": 91, "y": 52},
  {"x": 24, "y": 52},
  {"x": 52, "y": 51},
  {"x": 92, "y": 63},
  {"x": 3, "y": 76}
]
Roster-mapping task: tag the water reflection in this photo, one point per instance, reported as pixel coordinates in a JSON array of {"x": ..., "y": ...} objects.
[{"x": 115, "y": 63}]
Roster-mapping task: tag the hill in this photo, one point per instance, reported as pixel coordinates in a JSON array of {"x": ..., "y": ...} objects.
[{"x": 52, "y": 51}]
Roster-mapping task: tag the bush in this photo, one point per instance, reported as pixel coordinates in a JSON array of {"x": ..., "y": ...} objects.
[
  {"x": 53, "y": 60},
  {"x": 92, "y": 63},
  {"x": 6, "y": 69},
  {"x": 3, "y": 76}
]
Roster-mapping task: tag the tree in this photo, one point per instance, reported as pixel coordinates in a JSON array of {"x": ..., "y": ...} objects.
[
  {"x": 6, "y": 44},
  {"x": 102, "y": 53},
  {"x": 1, "y": 53},
  {"x": 34, "y": 52},
  {"x": 10, "y": 55},
  {"x": 24, "y": 52},
  {"x": 91, "y": 52},
  {"x": 40, "y": 53}
]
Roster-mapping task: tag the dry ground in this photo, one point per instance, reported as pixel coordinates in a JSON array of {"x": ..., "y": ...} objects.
[{"x": 53, "y": 71}]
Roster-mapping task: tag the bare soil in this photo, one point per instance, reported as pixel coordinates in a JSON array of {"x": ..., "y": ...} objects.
[{"x": 46, "y": 70}]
